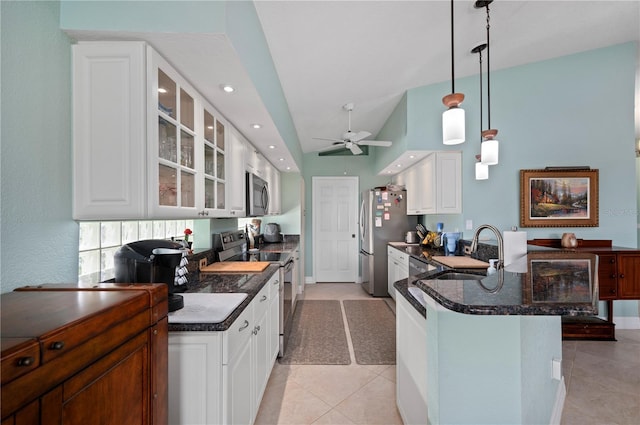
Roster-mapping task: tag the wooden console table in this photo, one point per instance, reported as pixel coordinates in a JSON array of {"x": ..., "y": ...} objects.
[{"x": 618, "y": 279}]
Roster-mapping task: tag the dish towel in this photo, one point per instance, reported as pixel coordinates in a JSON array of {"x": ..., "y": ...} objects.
[{"x": 181, "y": 270}]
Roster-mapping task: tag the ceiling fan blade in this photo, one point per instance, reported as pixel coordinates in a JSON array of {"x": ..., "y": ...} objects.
[
  {"x": 332, "y": 147},
  {"x": 328, "y": 139},
  {"x": 355, "y": 149},
  {"x": 383, "y": 143},
  {"x": 356, "y": 137}
]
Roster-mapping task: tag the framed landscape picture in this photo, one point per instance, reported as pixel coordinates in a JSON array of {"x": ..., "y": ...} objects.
[{"x": 559, "y": 198}]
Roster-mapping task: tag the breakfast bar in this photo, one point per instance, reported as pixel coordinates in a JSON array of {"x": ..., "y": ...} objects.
[{"x": 493, "y": 344}]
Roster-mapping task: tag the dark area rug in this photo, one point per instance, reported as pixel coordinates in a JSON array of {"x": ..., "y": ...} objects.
[
  {"x": 317, "y": 335},
  {"x": 372, "y": 326}
]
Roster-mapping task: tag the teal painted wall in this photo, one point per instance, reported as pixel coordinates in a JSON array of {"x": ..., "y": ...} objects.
[
  {"x": 39, "y": 241},
  {"x": 334, "y": 166},
  {"x": 550, "y": 113}
]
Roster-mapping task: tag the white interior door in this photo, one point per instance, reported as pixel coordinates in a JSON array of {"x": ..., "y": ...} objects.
[{"x": 335, "y": 221}]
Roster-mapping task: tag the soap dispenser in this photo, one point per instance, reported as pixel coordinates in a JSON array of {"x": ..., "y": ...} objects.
[{"x": 492, "y": 267}]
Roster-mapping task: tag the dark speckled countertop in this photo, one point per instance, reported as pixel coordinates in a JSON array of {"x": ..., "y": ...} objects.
[
  {"x": 250, "y": 283},
  {"x": 548, "y": 282}
]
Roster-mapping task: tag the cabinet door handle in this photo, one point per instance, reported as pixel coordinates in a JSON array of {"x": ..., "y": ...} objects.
[
  {"x": 276, "y": 282},
  {"x": 26, "y": 361},
  {"x": 621, "y": 275},
  {"x": 57, "y": 345},
  {"x": 612, "y": 260},
  {"x": 244, "y": 326},
  {"x": 264, "y": 298}
]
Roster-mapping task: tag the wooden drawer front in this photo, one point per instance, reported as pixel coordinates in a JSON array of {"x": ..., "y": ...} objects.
[
  {"x": 607, "y": 276},
  {"x": 75, "y": 334},
  {"x": 238, "y": 333},
  {"x": 19, "y": 356},
  {"x": 48, "y": 375}
]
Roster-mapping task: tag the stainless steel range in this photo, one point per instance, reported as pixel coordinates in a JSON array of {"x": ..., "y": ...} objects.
[{"x": 232, "y": 246}]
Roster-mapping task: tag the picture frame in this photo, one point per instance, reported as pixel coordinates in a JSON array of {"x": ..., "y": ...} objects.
[{"x": 559, "y": 198}]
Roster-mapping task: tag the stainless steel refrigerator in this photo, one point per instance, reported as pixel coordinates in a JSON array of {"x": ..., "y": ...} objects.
[{"x": 383, "y": 219}]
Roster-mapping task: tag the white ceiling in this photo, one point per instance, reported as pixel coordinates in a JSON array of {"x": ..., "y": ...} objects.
[{"x": 329, "y": 53}]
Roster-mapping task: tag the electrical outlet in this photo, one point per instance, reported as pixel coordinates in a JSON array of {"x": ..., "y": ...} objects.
[{"x": 203, "y": 263}]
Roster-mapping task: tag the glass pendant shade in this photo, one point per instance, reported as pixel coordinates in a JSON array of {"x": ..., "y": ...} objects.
[
  {"x": 482, "y": 171},
  {"x": 453, "y": 132},
  {"x": 489, "y": 152}
]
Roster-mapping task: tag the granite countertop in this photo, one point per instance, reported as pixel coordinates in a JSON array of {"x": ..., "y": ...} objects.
[
  {"x": 546, "y": 282},
  {"x": 249, "y": 283}
]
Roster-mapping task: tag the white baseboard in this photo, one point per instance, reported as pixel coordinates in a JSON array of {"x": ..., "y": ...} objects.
[
  {"x": 309, "y": 279},
  {"x": 626, "y": 322},
  {"x": 561, "y": 394}
]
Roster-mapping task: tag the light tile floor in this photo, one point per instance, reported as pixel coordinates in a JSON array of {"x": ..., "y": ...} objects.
[{"x": 602, "y": 378}]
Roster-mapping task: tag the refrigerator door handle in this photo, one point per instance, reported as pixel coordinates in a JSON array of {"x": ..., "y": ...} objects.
[{"x": 362, "y": 222}]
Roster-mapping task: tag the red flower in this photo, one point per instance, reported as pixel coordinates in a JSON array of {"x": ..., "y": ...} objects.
[{"x": 187, "y": 231}]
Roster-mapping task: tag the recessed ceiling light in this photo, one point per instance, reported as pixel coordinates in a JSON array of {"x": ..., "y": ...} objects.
[
  {"x": 399, "y": 165},
  {"x": 281, "y": 159},
  {"x": 256, "y": 126},
  {"x": 411, "y": 156},
  {"x": 272, "y": 147},
  {"x": 288, "y": 168},
  {"x": 227, "y": 88},
  {"x": 162, "y": 90}
]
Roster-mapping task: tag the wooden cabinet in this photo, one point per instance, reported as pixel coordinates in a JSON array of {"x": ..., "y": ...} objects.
[
  {"x": 146, "y": 143},
  {"x": 398, "y": 268},
  {"x": 434, "y": 185},
  {"x": 411, "y": 363},
  {"x": 220, "y": 377},
  {"x": 618, "y": 279},
  {"x": 84, "y": 351}
]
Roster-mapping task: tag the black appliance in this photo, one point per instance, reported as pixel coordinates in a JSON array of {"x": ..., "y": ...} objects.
[
  {"x": 151, "y": 261},
  {"x": 257, "y": 196},
  {"x": 272, "y": 233}
]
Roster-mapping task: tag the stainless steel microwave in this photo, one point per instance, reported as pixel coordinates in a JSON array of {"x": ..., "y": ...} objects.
[{"x": 257, "y": 196}]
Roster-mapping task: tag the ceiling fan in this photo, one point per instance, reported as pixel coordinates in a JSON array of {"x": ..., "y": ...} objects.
[{"x": 352, "y": 140}]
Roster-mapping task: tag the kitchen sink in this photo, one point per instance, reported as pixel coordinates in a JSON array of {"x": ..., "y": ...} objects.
[
  {"x": 455, "y": 275},
  {"x": 207, "y": 307}
]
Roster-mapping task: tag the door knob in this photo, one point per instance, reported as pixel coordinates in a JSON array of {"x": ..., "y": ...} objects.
[{"x": 353, "y": 235}]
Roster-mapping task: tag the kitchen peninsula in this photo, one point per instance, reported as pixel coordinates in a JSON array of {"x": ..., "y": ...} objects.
[{"x": 493, "y": 344}]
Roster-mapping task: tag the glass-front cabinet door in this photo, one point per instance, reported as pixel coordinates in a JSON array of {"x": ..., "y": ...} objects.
[
  {"x": 214, "y": 163},
  {"x": 173, "y": 142}
]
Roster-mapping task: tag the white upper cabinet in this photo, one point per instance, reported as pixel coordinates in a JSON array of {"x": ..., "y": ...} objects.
[
  {"x": 236, "y": 147},
  {"x": 434, "y": 185},
  {"x": 109, "y": 115},
  {"x": 146, "y": 143}
]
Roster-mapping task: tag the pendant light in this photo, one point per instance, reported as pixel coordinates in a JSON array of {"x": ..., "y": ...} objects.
[
  {"x": 482, "y": 170},
  {"x": 489, "y": 147},
  {"x": 453, "y": 132}
]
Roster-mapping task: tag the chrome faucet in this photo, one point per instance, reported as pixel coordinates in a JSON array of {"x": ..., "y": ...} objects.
[{"x": 474, "y": 243}]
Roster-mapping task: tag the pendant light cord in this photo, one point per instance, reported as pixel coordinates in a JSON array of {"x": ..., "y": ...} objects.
[
  {"x": 488, "y": 73},
  {"x": 453, "y": 83},
  {"x": 480, "y": 53}
]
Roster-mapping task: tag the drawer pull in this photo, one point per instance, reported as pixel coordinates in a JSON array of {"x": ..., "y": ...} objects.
[
  {"x": 621, "y": 275},
  {"x": 276, "y": 282},
  {"x": 57, "y": 345},
  {"x": 264, "y": 298},
  {"x": 26, "y": 361},
  {"x": 613, "y": 276},
  {"x": 244, "y": 326},
  {"x": 612, "y": 260}
]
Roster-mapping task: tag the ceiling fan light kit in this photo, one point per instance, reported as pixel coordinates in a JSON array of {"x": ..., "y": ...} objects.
[
  {"x": 453, "y": 119},
  {"x": 351, "y": 140}
]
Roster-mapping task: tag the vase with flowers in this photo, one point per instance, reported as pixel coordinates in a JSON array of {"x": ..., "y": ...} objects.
[{"x": 187, "y": 233}]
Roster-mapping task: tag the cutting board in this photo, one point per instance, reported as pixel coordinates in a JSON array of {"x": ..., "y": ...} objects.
[
  {"x": 236, "y": 267},
  {"x": 458, "y": 262}
]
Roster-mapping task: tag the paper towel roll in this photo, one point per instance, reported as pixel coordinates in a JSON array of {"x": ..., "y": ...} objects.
[{"x": 515, "y": 245}]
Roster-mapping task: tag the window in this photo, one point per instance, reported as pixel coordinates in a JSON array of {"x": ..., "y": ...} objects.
[{"x": 100, "y": 240}]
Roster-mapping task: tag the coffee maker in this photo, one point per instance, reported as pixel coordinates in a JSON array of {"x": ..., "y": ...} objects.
[{"x": 151, "y": 261}]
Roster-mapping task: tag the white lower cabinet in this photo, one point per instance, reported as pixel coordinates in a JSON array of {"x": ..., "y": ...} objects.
[
  {"x": 411, "y": 363},
  {"x": 397, "y": 268},
  {"x": 220, "y": 377}
]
